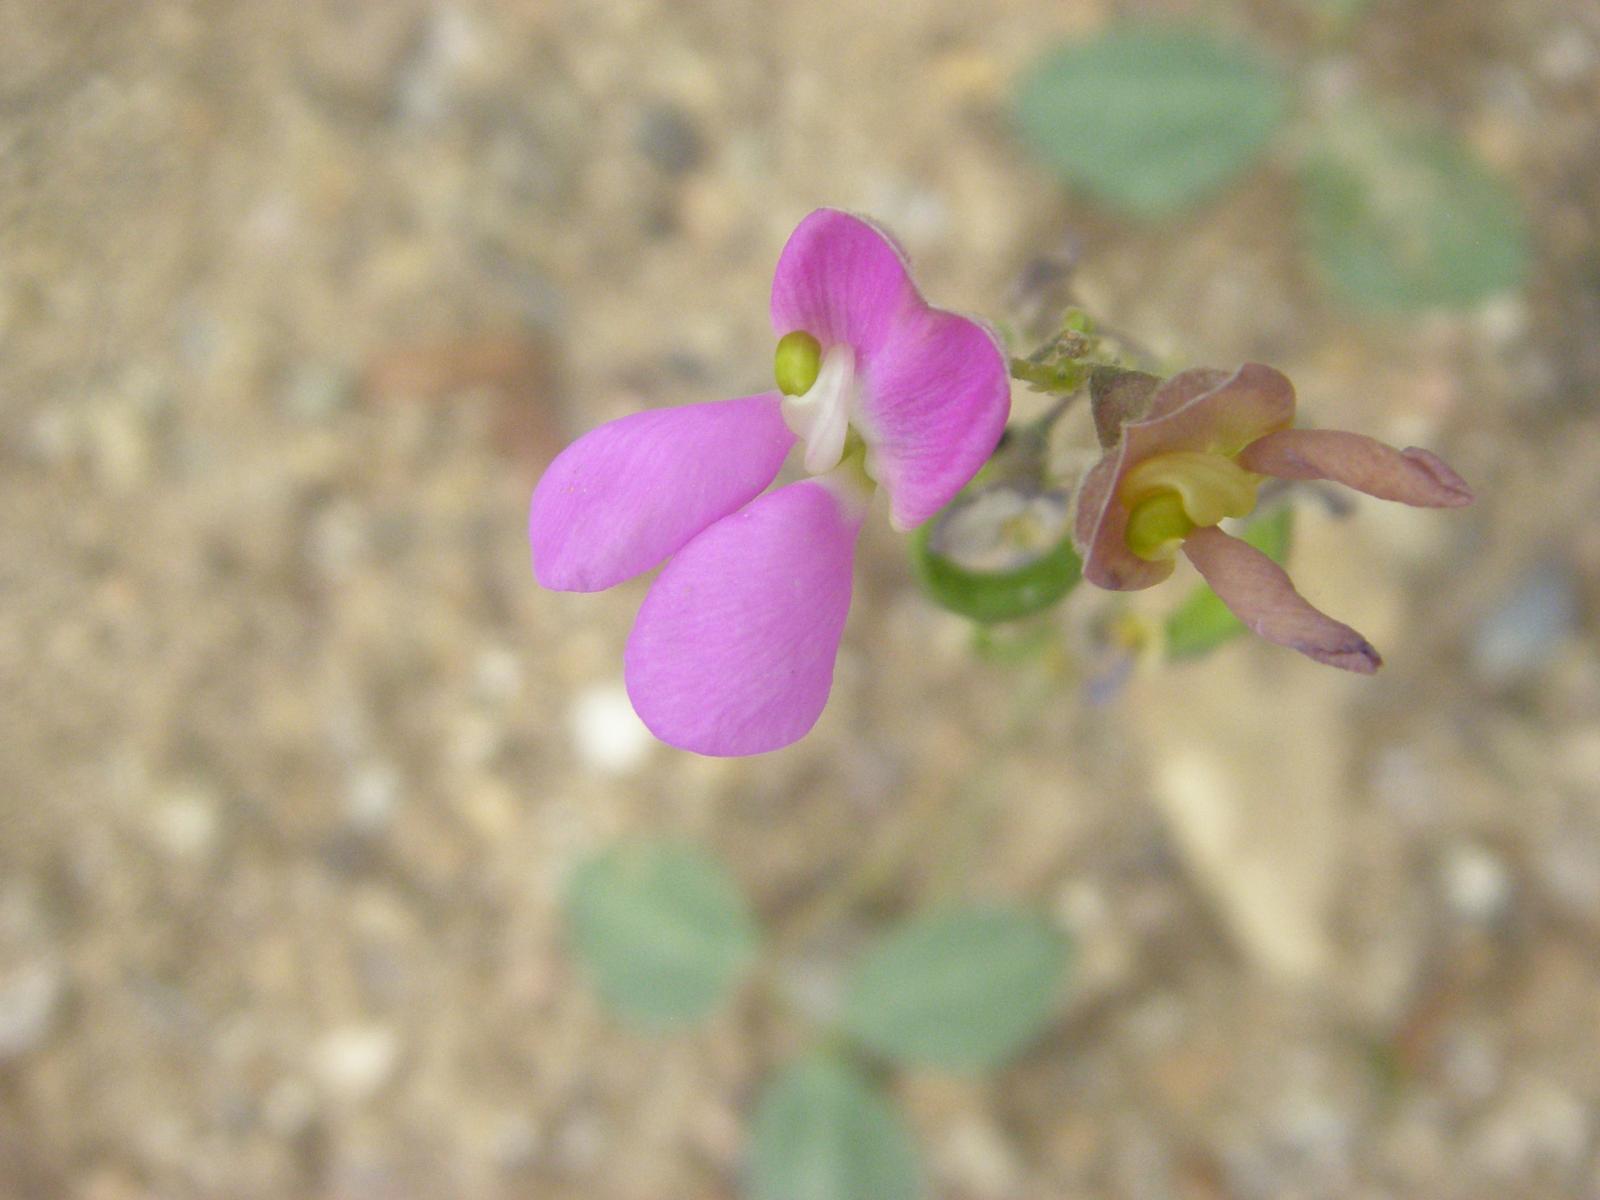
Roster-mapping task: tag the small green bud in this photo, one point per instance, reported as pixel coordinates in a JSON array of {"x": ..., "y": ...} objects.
[{"x": 797, "y": 363}]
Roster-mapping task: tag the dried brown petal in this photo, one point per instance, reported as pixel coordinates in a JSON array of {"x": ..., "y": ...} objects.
[
  {"x": 1260, "y": 593},
  {"x": 1208, "y": 410},
  {"x": 1411, "y": 476}
]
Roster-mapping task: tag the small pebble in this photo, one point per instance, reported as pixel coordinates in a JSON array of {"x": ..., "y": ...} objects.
[
  {"x": 670, "y": 140},
  {"x": 316, "y": 391},
  {"x": 355, "y": 1061},
  {"x": 29, "y": 998},
  {"x": 289, "y": 1106},
  {"x": 372, "y": 796},
  {"x": 1538, "y": 1125},
  {"x": 605, "y": 730},
  {"x": 977, "y": 1156},
  {"x": 581, "y": 1141},
  {"x": 1476, "y": 884},
  {"x": 1527, "y": 629},
  {"x": 184, "y": 825},
  {"x": 1568, "y": 56}
]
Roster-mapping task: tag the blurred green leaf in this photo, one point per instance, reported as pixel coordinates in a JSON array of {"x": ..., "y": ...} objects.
[
  {"x": 1015, "y": 644},
  {"x": 997, "y": 554},
  {"x": 1337, "y": 13},
  {"x": 1203, "y": 622},
  {"x": 1400, "y": 218},
  {"x": 663, "y": 930},
  {"x": 1151, "y": 120},
  {"x": 822, "y": 1133},
  {"x": 961, "y": 989}
]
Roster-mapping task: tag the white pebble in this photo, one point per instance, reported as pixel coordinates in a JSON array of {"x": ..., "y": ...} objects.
[
  {"x": 29, "y": 996},
  {"x": 1476, "y": 883},
  {"x": 372, "y": 796},
  {"x": 606, "y": 731},
  {"x": 185, "y": 824},
  {"x": 354, "y": 1061}
]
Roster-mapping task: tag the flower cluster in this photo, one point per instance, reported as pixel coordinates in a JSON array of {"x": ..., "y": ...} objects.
[
  {"x": 734, "y": 646},
  {"x": 733, "y": 649}
]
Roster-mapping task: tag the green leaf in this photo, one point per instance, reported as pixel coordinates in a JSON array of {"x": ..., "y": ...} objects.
[
  {"x": 997, "y": 554},
  {"x": 1337, "y": 13},
  {"x": 1401, "y": 219},
  {"x": 1151, "y": 120},
  {"x": 663, "y": 930},
  {"x": 962, "y": 989},
  {"x": 822, "y": 1133},
  {"x": 1202, "y": 622}
]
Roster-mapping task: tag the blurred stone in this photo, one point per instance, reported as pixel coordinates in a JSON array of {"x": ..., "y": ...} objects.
[
  {"x": 357, "y": 51},
  {"x": 580, "y": 1140},
  {"x": 289, "y": 1106},
  {"x": 497, "y": 678},
  {"x": 1472, "y": 1066},
  {"x": 668, "y": 137},
  {"x": 184, "y": 823},
  {"x": 118, "y": 445},
  {"x": 1569, "y": 55},
  {"x": 1569, "y": 870},
  {"x": 1141, "y": 1160},
  {"x": 30, "y": 996},
  {"x": 372, "y": 796},
  {"x": 1528, "y": 626},
  {"x": 1477, "y": 885},
  {"x": 606, "y": 732},
  {"x": 814, "y": 983},
  {"x": 316, "y": 391},
  {"x": 519, "y": 371},
  {"x": 1104, "y": 951},
  {"x": 338, "y": 540},
  {"x": 976, "y": 1156},
  {"x": 1537, "y": 1127},
  {"x": 1263, "y": 834},
  {"x": 448, "y": 52},
  {"x": 355, "y": 1061},
  {"x": 1406, "y": 784},
  {"x": 514, "y": 1141},
  {"x": 54, "y": 435}
]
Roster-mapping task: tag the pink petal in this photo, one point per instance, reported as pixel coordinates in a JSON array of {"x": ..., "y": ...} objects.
[
  {"x": 1259, "y": 593},
  {"x": 734, "y": 646},
  {"x": 624, "y": 496},
  {"x": 1203, "y": 409},
  {"x": 842, "y": 280},
  {"x": 932, "y": 409},
  {"x": 1411, "y": 476}
]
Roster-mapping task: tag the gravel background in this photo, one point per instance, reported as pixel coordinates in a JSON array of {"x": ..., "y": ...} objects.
[{"x": 296, "y": 300}]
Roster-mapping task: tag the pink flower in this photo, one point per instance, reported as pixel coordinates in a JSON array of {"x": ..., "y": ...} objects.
[
  {"x": 733, "y": 650},
  {"x": 1196, "y": 456}
]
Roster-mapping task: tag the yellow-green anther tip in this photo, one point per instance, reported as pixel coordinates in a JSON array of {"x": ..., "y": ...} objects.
[
  {"x": 797, "y": 362},
  {"x": 1157, "y": 524}
]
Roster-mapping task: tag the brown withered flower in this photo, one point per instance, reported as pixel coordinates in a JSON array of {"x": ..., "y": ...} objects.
[{"x": 1186, "y": 453}]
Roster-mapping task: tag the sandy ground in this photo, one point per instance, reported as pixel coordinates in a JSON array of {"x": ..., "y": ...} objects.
[{"x": 296, "y": 300}]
